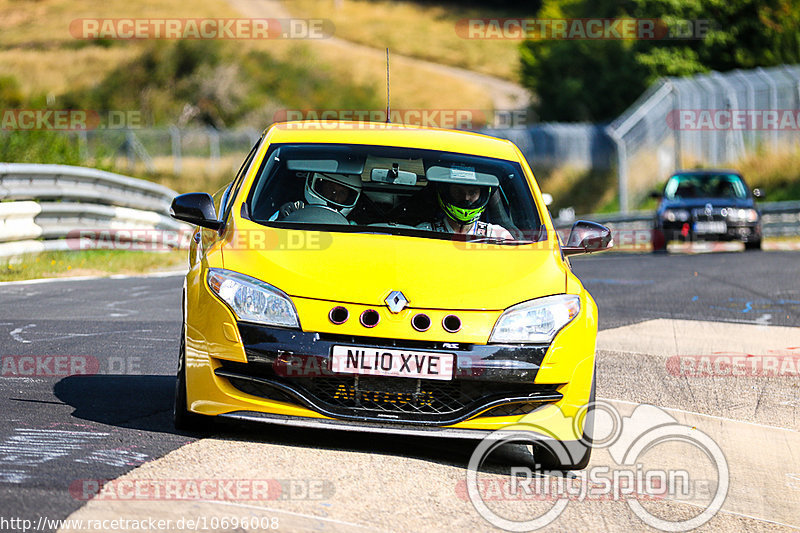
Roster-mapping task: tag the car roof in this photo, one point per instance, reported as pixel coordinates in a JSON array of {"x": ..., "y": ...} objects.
[
  {"x": 382, "y": 134},
  {"x": 707, "y": 172}
]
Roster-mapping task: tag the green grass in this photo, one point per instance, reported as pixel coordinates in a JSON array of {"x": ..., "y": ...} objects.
[
  {"x": 88, "y": 263},
  {"x": 425, "y": 30}
]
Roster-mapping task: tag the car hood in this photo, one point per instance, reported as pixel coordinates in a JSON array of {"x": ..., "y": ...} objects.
[
  {"x": 697, "y": 203},
  {"x": 431, "y": 273}
]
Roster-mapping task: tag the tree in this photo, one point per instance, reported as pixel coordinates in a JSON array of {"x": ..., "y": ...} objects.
[{"x": 595, "y": 80}]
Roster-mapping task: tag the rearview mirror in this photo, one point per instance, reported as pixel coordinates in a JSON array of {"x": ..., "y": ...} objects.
[
  {"x": 586, "y": 237},
  {"x": 393, "y": 175},
  {"x": 195, "y": 208}
]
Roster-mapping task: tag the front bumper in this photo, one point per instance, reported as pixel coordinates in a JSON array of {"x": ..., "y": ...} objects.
[
  {"x": 735, "y": 231},
  {"x": 293, "y": 367},
  {"x": 241, "y": 370}
]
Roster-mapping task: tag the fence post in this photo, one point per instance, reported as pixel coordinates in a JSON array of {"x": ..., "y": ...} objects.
[
  {"x": 773, "y": 102},
  {"x": 751, "y": 105},
  {"x": 175, "y": 137},
  {"x": 213, "y": 148},
  {"x": 622, "y": 169},
  {"x": 676, "y": 122}
]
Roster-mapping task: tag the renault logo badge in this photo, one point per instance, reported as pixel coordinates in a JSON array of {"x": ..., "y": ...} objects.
[{"x": 396, "y": 302}]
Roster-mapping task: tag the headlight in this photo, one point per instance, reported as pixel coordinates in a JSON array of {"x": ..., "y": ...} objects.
[
  {"x": 681, "y": 215},
  {"x": 749, "y": 215},
  {"x": 536, "y": 321},
  {"x": 253, "y": 300}
]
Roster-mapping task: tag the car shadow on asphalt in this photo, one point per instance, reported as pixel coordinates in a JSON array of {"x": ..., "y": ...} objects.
[
  {"x": 141, "y": 402},
  {"x": 144, "y": 402}
]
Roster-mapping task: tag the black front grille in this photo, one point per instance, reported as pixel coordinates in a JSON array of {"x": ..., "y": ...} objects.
[
  {"x": 514, "y": 409},
  {"x": 701, "y": 215},
  {"x": 381, "y": 398},
  {"x": 398, "y": 395},
  {"x": 261, "y": 390}
]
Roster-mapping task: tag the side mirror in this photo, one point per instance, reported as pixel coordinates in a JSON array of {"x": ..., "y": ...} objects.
[
  {"x": 586, "y": 237},
  {"x": 758, "y": 193},
  {"x": 195, "y": 208}
]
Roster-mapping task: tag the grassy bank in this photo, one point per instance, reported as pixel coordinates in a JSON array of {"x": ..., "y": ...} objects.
[
  {"x": 88, "y": 263},
  {"x": 777, "y": 174},
  {"x": 424, "y": 30}
]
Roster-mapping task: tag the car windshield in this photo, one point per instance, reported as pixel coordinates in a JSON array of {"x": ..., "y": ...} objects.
[
  {"x": 682, "y": 186},
  {"x": 404, "y": 191}
]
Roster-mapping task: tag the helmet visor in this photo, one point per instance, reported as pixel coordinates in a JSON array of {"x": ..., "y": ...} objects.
[
  {"x": 465, "y": 196},
  {"x": 335, "y": 191}
]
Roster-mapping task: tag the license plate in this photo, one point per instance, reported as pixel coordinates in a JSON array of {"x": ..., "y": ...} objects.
[
  {"x": 394, "y": 363},
  {"x": 710, "y": 227}
]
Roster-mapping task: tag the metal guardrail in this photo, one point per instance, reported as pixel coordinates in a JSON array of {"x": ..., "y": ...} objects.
[
  {"x": 19, "y": 181},
  {"x": 779, "y": 219},
  {"x": 50, "y": 205}
]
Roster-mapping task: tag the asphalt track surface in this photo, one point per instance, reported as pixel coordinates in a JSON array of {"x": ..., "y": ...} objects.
[{"x": 60, "y": 430}]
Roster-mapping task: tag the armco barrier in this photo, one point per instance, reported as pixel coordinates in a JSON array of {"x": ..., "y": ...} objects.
[
  {"x": 779, "y": 219},
  {"x": 20, "y": 181},
  {"x": 40, "y": 205}
]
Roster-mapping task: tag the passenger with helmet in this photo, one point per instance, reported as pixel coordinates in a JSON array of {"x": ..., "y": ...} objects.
[
  {"x": 461, "y": 206},
  {"x": 338, "y": 192}
]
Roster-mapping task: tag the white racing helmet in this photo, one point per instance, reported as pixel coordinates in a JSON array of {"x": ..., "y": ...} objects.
[{"x": 337, "y": 191}]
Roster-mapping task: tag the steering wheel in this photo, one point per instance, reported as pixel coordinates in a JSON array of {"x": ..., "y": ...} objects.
[{"x": 316, "y": 214}]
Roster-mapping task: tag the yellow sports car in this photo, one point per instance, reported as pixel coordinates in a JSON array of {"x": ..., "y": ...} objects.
[{"x": 386, "y": 278}]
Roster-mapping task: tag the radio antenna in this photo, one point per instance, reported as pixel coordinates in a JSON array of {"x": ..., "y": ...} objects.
[{"x": 388, "y": 108}]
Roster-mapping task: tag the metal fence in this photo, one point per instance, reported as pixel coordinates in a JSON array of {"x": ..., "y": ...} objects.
[
  {"x": 711, "y": 119},
  {"x": 575, "y": 145},
  {"x": 168, "y": 149}
]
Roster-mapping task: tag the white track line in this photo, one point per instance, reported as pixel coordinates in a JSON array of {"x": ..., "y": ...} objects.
[{"x": 165, "y": 274}]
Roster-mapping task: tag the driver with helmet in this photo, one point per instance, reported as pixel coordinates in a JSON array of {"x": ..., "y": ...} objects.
[
  {"x": 462, "y": 205},
  {"x": 338, "y": 192}
]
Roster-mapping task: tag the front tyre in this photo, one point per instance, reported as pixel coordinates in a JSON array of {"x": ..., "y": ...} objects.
[
  {"x": 659, "y": 240},
  {"x": 753, "y": 245},
  {"x": 570, "y": 455},
  {"x": 184, "y": 419}
]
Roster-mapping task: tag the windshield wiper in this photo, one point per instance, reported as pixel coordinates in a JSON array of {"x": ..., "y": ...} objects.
[{"x": 498, "y": 240}]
